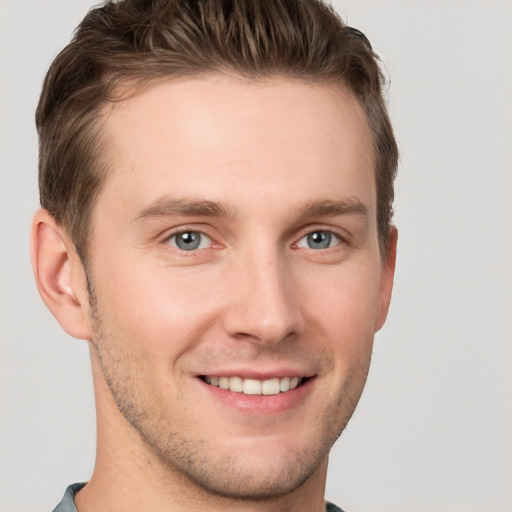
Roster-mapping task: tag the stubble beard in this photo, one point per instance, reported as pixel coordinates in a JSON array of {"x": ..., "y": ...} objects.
[{"x": 226, "y": 475}]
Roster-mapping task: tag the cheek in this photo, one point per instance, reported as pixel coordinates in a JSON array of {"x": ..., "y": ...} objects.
[
  {"x": 156, "y": 308},
  {"x": 351, "y": 289},
  {"x": 343, "y": 306},
  {"x": 161, "y": 308}
]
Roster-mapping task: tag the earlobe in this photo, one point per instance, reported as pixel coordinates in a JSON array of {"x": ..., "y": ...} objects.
[
  {"x": 386, "y": 278},
  {"x": 59, "y": 275}
]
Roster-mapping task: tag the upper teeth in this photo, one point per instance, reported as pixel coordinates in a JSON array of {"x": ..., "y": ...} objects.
[{"x": 254, "y": 386}]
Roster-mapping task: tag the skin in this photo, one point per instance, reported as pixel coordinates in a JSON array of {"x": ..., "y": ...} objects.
[{"x": 255, "y": 167}]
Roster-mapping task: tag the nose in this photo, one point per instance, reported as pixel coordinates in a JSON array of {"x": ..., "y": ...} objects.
[{"x": 264, "y": 305}]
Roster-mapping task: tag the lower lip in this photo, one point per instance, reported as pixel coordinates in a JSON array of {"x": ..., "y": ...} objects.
[{"x": 261, "y": 404}]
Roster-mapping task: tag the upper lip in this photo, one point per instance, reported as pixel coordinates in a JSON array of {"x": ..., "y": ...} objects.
[{"x": 251, "y": 373}]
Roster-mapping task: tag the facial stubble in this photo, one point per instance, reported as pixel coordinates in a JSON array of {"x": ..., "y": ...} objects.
[{"x": 194, "y": 459}]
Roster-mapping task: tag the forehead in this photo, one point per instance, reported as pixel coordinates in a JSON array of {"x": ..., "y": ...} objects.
[{"x": 228, "y": 139}]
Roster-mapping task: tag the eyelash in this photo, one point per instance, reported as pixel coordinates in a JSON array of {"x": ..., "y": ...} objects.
[
  {"x": 202, "y": 235},
  {"x": 340, "y": 240}
]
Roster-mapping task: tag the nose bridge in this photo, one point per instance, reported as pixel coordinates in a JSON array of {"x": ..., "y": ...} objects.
[{"x": 264, "y": 303}]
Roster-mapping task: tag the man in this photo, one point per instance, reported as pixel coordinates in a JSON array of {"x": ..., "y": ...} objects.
[{"x": 216, "y": 183}]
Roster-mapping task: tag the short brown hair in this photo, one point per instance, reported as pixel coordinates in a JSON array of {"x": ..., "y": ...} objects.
[{"x": 140, "y": 41}]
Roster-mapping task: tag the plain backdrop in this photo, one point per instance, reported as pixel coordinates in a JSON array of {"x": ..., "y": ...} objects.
[{"x": 433, "y": 430}]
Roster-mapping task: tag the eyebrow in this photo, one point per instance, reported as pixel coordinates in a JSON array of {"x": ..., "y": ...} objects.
[
  {"x": 188, "y": 207},
  {"x": 333, "y": 208},
  {"x": 166, "y": 207}
]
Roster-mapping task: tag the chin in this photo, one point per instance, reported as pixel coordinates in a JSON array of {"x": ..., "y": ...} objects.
[
  {"x": 257, "y": 469},
  {"x": 254, "y": 478}
]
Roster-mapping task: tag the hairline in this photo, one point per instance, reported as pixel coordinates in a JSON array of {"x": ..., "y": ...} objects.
[{"x": 131, "y": 86}]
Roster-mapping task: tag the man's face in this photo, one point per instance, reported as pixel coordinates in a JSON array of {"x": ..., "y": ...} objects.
[{"x": 235, "y": 245}]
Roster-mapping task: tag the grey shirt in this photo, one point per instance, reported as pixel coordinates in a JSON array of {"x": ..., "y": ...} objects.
[{"x": 68, "y": 504}]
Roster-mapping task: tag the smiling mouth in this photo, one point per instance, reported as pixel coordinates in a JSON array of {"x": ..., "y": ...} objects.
[{"x": 272, "y": 386}]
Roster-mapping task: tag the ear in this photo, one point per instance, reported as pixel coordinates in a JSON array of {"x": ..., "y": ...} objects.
[
  {"x": 59, "y": 275},
  {"x": 387, "y": 275}
]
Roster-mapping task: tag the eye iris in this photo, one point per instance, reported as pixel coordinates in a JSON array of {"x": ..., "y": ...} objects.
[
  {"x": 319, "y": 240},
  {"x": 188, "y": 241}
]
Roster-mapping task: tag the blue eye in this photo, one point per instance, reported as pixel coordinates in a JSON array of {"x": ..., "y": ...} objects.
[
  {"x": 319, "y": 240},
  {"x": 190, "y": 240}
]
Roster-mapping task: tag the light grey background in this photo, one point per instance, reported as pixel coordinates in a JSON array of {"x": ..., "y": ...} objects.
[{"x": 434, "y": 428}]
